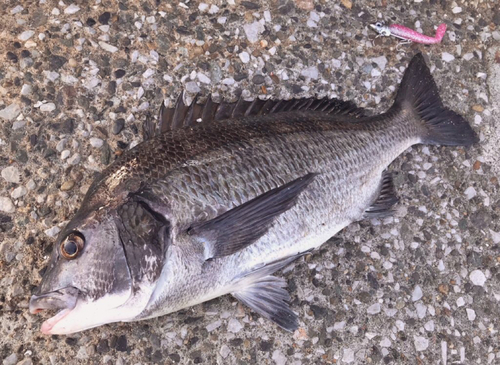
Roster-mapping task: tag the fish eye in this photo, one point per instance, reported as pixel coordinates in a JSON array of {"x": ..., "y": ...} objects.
[
  {"x": 72, "y": 245},
  {"x": 378, "y": 24}
]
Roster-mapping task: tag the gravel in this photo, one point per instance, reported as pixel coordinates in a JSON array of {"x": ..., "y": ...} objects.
[
  {"x": 420, "y": 286},
  {"x": 11, "y": 174},
  {"x": 477, "y": 277},
  {"x": 10, "y": 112}
]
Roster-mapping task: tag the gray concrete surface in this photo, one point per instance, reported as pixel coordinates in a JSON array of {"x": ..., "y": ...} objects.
[{"x": 422, "y": 287}]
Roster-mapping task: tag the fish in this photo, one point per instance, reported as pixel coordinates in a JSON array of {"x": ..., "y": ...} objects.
[{"x": 221, "y": 196}]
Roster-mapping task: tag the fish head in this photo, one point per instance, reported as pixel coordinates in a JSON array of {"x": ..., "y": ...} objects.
[
  {"x": 381, "y": 29},
  {"x": 89, "y": 277}
]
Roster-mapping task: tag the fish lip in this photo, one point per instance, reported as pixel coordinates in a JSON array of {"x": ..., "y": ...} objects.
[{"x": 64, "y": 299}]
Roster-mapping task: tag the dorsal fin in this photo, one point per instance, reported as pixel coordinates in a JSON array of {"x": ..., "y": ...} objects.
[{"x": 181, "y": 115}]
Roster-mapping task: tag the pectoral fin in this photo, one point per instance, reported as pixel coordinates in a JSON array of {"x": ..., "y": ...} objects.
[{"x": 245, "y": 224}]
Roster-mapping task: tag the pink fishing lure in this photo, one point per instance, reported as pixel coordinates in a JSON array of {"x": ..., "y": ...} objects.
[{"x": 402, "y": 32}]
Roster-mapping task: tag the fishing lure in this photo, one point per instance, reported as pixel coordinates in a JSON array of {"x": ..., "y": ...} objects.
[{"x": 408, "y": 34}]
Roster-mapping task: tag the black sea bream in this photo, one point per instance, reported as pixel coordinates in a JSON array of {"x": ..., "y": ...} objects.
[{"x": 220, "y": 196}]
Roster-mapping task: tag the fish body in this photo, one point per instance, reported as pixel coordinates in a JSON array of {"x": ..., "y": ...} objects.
[{"x": 197, "y": 212}]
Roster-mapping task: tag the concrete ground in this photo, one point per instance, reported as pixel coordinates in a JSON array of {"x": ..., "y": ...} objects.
[{"x": 422, "y": 287}]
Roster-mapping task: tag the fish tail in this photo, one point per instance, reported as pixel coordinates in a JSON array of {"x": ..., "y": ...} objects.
[{"x": 438, "y": 124}]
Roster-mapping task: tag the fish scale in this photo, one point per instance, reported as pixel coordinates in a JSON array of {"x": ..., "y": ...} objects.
[{"x": 349, "y": 163}]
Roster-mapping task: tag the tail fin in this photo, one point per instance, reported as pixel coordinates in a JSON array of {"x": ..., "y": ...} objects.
[{"x": 419, "y": 92}]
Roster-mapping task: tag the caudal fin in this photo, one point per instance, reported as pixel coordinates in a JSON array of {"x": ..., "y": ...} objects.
[{"x": 419, "y": 92}]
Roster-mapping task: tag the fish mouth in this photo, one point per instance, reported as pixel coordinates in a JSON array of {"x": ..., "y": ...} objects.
[{"x": 64, "y": 299}]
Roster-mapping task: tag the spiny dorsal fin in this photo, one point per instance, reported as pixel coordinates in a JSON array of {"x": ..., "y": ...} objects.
[
  {"x": 386, "y": 199},
  {"x": 181, "y": 115},
  {"x": 239, "y": 227}
]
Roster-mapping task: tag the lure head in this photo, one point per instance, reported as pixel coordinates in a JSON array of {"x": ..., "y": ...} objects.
[{"x": 381, "y": 29}]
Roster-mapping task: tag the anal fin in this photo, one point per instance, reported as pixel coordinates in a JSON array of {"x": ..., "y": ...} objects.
[{"x": 386, "y": 199}]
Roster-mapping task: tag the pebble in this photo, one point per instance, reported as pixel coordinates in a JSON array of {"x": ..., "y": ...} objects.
[
  {"x": 11, "y": 174},
  {"x": 339, "y": 326},
  {"x": 52, "y": 232},
  {"x": 470, "y": 192},
  {"x": 27, "y": 361},
  {"x": 203, "y": 7},
  {"x": 460, "y": 302},
  {"x": 253, "y": 30},
  {"x": 471, "y": 314},
  {"x": 31, "y": 185},
  {"x": 495, "y": 236},
  {"x": 258, "y": 79},
  {"x": 400, "y": 325},
  {"x": 26, "y": 90},
  {"x": 214, "y": 9},
  {"x": 82, "y": 353},
  {"x": 27, "y": 34},
  {"x": 228, "y": 81},
  {"x": 11, "y": 359},
  {"x": 19, "y": 192},
  {"x": 385, "y": 342},
  {"x": 421, "y": 343},
  {"x": 279, "y": 358},
  {"x": 203, "y": 78},
  {"x": 72, "y": 9},
  {"x": 310, "y": 72},
  {"x": 417, "y": 293},
  {"x": 348, "y": 356},
  {"x": 48, "y": 107},
  {"x": 447, "y": 57},
  {"x": 18, "y": 124},
  {"x": 75, "y": 159},
  {"x": 214, "y": 325},
  {"x": 374, "y": 308},
  {"x": 192, "y": 87},
  {"x": 16, "y": 9},
  {"x": 380, "y": 61},
  {"x": 119, "y": 73},
  {"x": 477, "y": 277},
  {"x": 108, "y": 47},
  {"x": 421, "y": 310},
  {"x": 456, "y": 10},
  {"x": 67, "y": 185},
  {"x": 10, "y": 112},
  {"x": 65, "y": 154},
  {"x": 118, "y": 125},
  {"x": 244, "y": 57},
  {"x": 429, "y": 326},
  {"x": 224, "y": 351},
  {"x": 478, "y": 108},
  {"x": 234, "y": 325},
  {"x": 96, "y": 142}
]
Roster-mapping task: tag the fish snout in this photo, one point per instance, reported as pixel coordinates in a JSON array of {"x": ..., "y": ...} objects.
[{"x": 60, "y": 299}]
